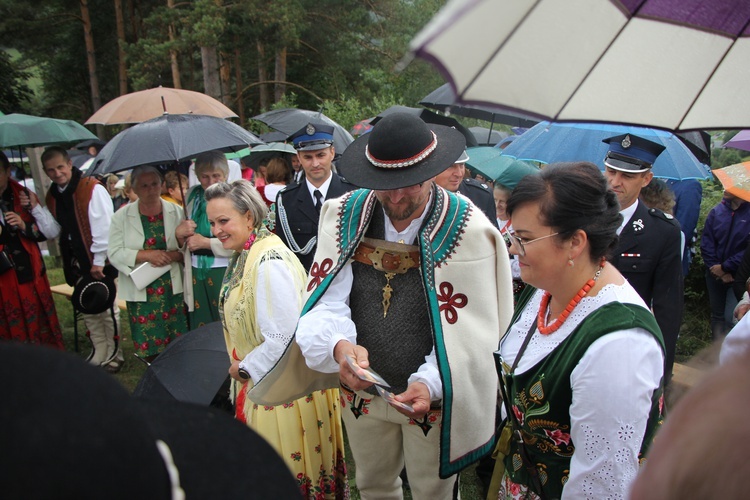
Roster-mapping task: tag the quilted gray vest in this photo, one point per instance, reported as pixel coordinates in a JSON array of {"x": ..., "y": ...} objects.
[{"x": 398, "y": 343}]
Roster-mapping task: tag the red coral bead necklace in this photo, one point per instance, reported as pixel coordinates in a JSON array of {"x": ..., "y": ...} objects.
[{"x": 544, "y": 304}]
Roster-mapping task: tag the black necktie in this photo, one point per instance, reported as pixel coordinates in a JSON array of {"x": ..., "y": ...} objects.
[{"x": 318, "y": 200}]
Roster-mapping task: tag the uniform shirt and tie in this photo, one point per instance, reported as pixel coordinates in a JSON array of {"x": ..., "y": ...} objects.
[{"x": 318, "y": 194}]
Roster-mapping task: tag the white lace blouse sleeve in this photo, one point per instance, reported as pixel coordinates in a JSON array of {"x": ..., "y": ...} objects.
[
  {"x": 327, "y": 323},
  {"x": 277, "y": 308},
  {"x": 612, "y": 388}
]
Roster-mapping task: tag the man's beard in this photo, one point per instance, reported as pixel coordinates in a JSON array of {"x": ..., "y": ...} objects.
[{"x": 398, "y": 213}]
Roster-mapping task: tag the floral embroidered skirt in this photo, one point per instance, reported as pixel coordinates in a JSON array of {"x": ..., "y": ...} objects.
[
  {"x": 308, "y": 435},
  {"x": 156, "y": 322}
]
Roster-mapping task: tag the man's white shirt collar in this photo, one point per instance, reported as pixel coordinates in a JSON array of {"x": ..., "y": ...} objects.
[
  {"x": 626, "y": 215},
  {"x": 323, "y": 187}
]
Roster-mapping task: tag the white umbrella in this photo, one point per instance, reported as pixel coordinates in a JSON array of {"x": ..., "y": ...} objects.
[{"x": 672, "y": 64}]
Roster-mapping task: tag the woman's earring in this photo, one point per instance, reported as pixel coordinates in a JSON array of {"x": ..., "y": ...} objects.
[{"x": 570, "y": 262}]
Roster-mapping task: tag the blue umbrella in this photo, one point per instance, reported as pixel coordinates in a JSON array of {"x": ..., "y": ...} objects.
[{"x": 569, "y": 141}]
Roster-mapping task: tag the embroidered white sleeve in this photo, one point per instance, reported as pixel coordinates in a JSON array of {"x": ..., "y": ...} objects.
[
  {"x": 612, "y": 388},
  {"x": 277, "y": 308}
]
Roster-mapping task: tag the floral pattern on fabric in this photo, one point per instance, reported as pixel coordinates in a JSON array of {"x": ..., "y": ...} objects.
[
  {"x": 162, "y": 318},
  {"x": 451, "y": 302},
  {"x": 318, "y": 273},
  {"x": 327, "y": 485}
]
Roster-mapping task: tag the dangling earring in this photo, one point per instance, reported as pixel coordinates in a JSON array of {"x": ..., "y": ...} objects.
[{"x": 570, "y": 262}]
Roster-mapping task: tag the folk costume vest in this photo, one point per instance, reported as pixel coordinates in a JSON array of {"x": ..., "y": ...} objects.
[{"x": 545, "y": 421}]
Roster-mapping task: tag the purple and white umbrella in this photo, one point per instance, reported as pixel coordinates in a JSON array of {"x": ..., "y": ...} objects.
[
  {"x": 740, "y": 141},
  {"x": 672, "y": 64}
]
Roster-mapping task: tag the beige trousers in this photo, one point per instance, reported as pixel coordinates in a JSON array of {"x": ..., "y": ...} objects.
[{"x": 383, "y": 441}]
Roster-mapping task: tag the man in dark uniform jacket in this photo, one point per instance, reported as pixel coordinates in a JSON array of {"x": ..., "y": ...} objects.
[
  {"x": 480, "y": 194},
  {"x": 298, "y": 204},
  {"x": 649, "y": 252}
]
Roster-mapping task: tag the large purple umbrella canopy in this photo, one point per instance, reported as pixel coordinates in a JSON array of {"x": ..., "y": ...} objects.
[{"x": 672, "y": 64}]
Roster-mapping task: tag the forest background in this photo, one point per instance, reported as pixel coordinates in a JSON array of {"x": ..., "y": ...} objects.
[{"x": 66, "y": 58}]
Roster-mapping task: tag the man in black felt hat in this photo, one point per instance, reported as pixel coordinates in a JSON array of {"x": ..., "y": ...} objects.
[
  {"x": 298, "y": 204},
  {"x": 412, "y": 282},
  {"x": 649, "y": 253}
]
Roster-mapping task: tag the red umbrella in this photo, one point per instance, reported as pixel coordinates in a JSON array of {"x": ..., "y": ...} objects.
[{"x": 361, "y": 127}]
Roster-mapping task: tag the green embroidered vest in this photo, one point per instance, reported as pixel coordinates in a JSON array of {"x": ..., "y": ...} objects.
[{"x": 542, "y": 396}]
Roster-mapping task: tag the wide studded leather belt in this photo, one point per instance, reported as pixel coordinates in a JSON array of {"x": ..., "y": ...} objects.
[{"x": 386, "y": 256}]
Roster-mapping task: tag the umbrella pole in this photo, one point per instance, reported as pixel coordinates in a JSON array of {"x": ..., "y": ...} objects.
[
  {"x": 179, "y": 184},
  {"x": 23, "y": 181},
  {"x": 492, "y": 124}
]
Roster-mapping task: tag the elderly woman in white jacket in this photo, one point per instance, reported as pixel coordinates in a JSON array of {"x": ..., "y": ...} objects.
[{"x": 143, "y": 234}]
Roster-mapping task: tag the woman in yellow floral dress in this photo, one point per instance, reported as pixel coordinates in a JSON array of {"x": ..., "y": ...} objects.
[{"x": 260, "y": 301}]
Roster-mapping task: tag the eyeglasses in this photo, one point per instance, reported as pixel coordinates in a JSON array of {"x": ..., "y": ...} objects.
[{"x": 518, "y": 244}]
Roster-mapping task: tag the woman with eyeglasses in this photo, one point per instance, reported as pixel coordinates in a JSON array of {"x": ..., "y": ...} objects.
[{"x": 581, "y": 366}]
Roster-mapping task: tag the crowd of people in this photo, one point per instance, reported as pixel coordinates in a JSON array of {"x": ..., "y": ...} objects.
[{"x": 440, "y": 320}]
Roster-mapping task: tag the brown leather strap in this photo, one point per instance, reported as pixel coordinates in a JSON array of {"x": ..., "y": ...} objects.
[{"x": 387, "y": 257}]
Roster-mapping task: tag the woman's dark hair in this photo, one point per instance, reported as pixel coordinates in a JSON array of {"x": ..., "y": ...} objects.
[
  {"x": 4, "y": 162},
  {"x": 573, "y": 196}
]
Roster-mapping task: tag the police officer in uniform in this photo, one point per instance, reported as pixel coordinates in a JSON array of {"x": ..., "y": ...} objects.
[
  {"x": 298, "y": 204},
  {"x": 480, "y": 194},
  {"x": 649, "y": 251}
]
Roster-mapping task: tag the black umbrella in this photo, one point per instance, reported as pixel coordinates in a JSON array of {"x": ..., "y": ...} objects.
[
  {"x": 274, "y": 136},
  {"x": 290, "y": 120},
  {"x": 169, "y": 139},
  {"x": 444, "y": 99},
  {"x": 85, "y": 145},
  {"x": 430, "y": 117},
  {"x": 192, "y": 368},
  {"x": 699, "y": 143}
]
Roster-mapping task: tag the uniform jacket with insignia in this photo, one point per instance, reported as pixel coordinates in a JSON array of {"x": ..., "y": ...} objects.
[
  {"x": 648, "y": 254},
  {"x": 297, "y": 219}
]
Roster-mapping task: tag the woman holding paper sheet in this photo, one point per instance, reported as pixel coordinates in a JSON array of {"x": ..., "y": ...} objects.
[{"x": 144, "y": 232}]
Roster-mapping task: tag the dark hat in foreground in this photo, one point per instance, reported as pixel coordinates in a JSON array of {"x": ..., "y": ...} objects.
[
  {"x": 630, "y": 153},
  {"x": 94, "y": 296},
  {"x": 312, "y": 136},
  {"x": 69, "y": 430},
  {"x": 400, "y": 151}
]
